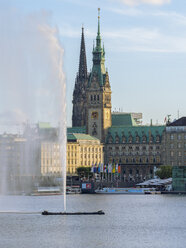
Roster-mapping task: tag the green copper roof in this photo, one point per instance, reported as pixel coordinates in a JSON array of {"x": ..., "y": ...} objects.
[
  {"x": 76, "y": 129},
  {"x": 140, "y": 131},
  {"x": 123, "y": 120},
  {"x": 79, "y": 136}
]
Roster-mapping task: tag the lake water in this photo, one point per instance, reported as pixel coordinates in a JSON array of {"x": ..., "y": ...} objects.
[{"x": 131, "y": 221}]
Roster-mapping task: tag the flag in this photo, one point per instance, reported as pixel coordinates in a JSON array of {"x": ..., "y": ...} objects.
[
  {"x": 92, "y": 168},
  {"x": 101, "y": 169},
  {"x": 110, "y": 168},
  {"x": 105, "y": 168},
  {"x": 113, "y": 169},
  {"x": 116, "y": 167},
  {"x": 119, "y": 169}
]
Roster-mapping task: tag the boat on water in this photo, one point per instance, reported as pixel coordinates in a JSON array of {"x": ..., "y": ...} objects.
[
  {"x": 43, "y": 191},
  {"x": 126, "y": 191}
]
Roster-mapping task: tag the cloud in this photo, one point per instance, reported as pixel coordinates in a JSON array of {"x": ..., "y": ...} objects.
[
  {"x": 150, "y": 2},
  {"x": 136, "y": 39},
  {"x": 145, "y": 40}
]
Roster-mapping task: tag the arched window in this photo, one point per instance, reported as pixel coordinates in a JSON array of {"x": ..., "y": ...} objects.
[
  {"x": 157, "y": 138},
  {"x": 144, "y": 139},
  {"x": 123, "y": 139},
  {"x": 110, "y": 140},
  {"x": 130, "y": 139},
  {"x": 151, "y": 139},
  {"x": 137, "y": 139},
  {"x": 117, "y": 139}
]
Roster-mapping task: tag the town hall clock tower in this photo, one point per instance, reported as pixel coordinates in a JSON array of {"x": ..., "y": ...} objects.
[{"x": 98, "y": 93}]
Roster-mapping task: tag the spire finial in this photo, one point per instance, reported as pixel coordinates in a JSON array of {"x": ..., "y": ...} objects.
[{"x": 98, "y": 21}]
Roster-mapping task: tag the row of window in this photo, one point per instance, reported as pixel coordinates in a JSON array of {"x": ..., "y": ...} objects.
[
  {"x": 179, "y": 145},
  {"x": 132, "y": 153},
  {"x": 177, "y": 136},
  {"x": 94, "y": 98},
  {"x": 134, "y": 148},
  {"x": 135, "y": 160},
  {"x": 132, "y": 139},
  {"x": 88, "y": 149}
]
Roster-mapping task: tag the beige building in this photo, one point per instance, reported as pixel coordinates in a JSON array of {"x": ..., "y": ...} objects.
[{"x": 82, "y": 150}]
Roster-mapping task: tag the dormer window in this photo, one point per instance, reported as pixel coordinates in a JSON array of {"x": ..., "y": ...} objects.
[
  {"x": 157, "y": 138},
  {"x": 123, "y": 139},
  {"x": 110, "y": 140},
  {"x": 130, "y": 139},
  {"x": 144, "y": 139},
  {"x": 117, "y": 139},
  {"x": 137, "y": 139}
]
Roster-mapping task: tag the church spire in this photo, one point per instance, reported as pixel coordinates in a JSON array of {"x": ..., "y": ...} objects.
[
  {"x": 98, "y": 38},
  {"x": 82, "y": 59}
]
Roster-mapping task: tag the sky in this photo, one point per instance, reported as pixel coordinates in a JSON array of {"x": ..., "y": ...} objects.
[{"x": 145, "y": 45}]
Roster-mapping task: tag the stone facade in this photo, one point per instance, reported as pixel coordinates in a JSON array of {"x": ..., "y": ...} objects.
[
  {"x": 136, "y": 148},
  {"x": 82, "y": 150},
  {"x": 174, "y": 143}
]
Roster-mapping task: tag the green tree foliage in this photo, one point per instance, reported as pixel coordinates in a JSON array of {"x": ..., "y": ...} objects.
[
  {"x": 84, "y": 171},
  {"x": 165, "y": 171}
]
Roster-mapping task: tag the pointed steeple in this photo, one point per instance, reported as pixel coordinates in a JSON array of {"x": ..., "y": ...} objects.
[
  {"x": 82, "y": 59},
  {"x": 98, "y": 68},
  {"x": 98, "y": 38}
]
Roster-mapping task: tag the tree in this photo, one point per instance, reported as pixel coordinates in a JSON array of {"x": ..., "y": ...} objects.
[
  {"x": 165, "y": 171},
  {"x": 84, "y": 171}
]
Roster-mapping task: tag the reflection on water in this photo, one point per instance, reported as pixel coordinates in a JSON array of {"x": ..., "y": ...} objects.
[{"x": 152, "y": 221}]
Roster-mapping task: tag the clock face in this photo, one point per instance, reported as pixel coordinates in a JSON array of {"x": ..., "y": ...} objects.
[{"x": 94, "y": 115}]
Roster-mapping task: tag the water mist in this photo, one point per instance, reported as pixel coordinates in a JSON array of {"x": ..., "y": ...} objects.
[{"x": 32, "y": 82}]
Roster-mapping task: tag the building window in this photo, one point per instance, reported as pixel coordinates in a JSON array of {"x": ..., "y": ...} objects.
[
  {"x": 117, "y": 139},
  {"x": 172, "y": 153},
  {"x": 144, "y": 139},
  {"x": 98, "y": 98},
  {"x": 179, "y": 145},
  {"x": 179, "y": 136},
  {"x": 130, "y": 139},
  {"x": 94, "y": 97},
  {"x": 179, "y": 154},
  {"x": 172, "y": 136},
  {"x": 123, "y": 139},
  {"x": 137, "y": 139},
  {"x": 157, "y": 139},
  {"x": 110, "y": 140}
]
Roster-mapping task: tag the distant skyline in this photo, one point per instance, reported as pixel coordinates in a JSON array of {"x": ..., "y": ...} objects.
[{"x": 145, "y": 45}]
